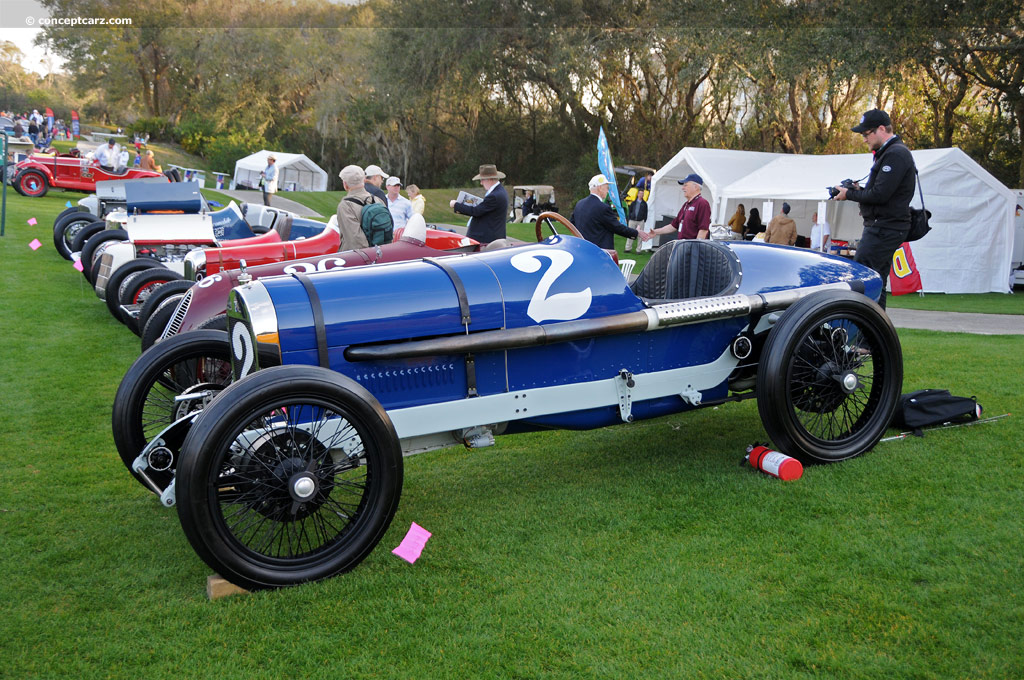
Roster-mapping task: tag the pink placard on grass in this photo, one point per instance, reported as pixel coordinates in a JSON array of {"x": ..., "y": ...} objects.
[
  {"x": 32, "y": 221},
  {"x": 412, "y": 545},
  {"x": 35, "y": 244},
  {"x": 78, "y": 265}
]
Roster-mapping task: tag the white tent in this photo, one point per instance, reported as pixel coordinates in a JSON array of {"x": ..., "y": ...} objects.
[
  {"x": 295, "y": 172},
  {"x": 968, "y": 250}
]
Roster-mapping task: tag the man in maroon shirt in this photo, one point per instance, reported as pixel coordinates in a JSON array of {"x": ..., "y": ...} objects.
[{"x": 694, "y": 218}]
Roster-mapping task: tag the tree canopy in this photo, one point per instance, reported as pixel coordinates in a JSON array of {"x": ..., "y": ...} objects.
[{"x": 430, "y": 89}]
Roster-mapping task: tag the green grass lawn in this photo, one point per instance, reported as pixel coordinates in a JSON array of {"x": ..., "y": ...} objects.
[
  {"x": 984, "y": 303},
  {"x": 638, "y": 551}
]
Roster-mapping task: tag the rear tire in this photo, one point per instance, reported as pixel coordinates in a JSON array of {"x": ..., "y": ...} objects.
[
  {"x": 291, "y": 475},
  {"x": 830, "y": 377}
]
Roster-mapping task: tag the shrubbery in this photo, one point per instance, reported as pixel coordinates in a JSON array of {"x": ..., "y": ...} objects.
[{"x": 157, "y": 129}]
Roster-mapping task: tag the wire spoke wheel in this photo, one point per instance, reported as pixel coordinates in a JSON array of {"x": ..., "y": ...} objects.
[
  {"x": 830, "y": 377},
  {"x": 291, "y": 475},
  {"x": 167, "y": 382}
]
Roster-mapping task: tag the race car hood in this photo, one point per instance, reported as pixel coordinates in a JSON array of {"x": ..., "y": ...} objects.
[{"x": 561, "y": 279}]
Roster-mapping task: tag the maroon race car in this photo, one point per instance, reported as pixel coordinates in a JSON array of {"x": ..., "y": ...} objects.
[{"x": 36, "y": 174}]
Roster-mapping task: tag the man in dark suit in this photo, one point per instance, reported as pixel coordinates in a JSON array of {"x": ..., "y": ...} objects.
[
  {"x": 598, "y": 221},
  {"x": 487, "y": 218}
]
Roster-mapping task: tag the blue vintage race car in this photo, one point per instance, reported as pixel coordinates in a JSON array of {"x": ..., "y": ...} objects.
[{"x": 293, "y": 473}]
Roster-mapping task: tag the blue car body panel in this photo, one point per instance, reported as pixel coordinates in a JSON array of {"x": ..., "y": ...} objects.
[
  {"x": 562, "y": 279},
  {"x": 145, "y": 197}
]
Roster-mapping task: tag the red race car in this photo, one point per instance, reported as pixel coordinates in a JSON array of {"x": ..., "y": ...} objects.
[{"x": 36, "y": 174}]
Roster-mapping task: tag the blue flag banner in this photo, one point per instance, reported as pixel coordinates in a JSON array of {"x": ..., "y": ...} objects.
[{"x": 604, "y": 163}]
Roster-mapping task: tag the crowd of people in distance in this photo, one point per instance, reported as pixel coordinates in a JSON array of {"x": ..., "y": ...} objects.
[{"x": 37, "y": 129}]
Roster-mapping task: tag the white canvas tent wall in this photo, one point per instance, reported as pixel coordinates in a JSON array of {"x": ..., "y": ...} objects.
[
  {"x": 295, "y": 171},
  {"x": 968, "y": 250}
]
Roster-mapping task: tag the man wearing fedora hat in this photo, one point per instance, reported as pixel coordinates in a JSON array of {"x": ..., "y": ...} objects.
[
  {"x": 268, "y": 179},
  {"x": 487, "y": 218},
  {"x": 885, "y": 201}
]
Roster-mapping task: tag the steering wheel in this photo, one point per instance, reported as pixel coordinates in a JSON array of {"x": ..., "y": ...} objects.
[{"x": 551, "y": 218}]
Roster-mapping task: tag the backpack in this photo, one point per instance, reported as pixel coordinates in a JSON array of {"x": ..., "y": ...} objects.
[
  {"x": 933, "y": 407},
  {"x": 375, "y": 221}
]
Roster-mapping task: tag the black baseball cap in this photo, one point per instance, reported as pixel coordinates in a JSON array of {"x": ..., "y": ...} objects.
[{"x": 871, "y": 120}]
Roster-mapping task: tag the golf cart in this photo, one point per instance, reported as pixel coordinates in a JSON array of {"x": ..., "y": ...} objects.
[{"x": 543, "y": 194}]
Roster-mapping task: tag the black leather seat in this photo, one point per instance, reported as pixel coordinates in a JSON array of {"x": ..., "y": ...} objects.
[{"x": 686, "y": 269}]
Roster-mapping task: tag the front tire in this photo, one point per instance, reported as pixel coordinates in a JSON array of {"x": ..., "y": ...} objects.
[
  {"x": 67, "y": 227},
  {"x": 292, "y": 475},
  {"x": 88, "y": 252},
  {"x": 190, "y": 363},
  {"x": 138, "y": 288},
  {"x": 830, "y": 376}
]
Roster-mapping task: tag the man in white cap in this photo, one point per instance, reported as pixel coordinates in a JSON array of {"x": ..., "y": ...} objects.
[
  {"x": 374, "y": 179},
  {"x": 487, "y": 218},
  {"x": 400, "y": 207},
  {"x": 598, "y": 221}
]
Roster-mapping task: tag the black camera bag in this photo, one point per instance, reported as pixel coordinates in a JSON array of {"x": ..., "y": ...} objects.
[
  {"x": 919, "y": 218},
  {"x": 933, "y": 407}
]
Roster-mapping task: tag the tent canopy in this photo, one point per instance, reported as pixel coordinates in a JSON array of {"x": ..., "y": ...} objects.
[
  {"x": 968, "y": 250},
  {"x": 295, "y": 171}
]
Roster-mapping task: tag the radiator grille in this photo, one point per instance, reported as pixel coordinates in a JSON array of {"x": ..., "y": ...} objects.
[
  {"x": 103, "y": 275},
  {"x": 174, "y": 325}
]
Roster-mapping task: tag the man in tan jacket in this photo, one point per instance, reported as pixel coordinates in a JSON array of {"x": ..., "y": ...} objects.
[
  {"x": 349, "y": 212},
  {"x": 781, "y": 229}
]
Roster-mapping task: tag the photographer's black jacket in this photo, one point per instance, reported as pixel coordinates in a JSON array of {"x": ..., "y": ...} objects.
[{"x": 890, "y": 187}]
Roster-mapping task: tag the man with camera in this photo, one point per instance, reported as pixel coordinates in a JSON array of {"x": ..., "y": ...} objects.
[{"x": 885, "y": 201}]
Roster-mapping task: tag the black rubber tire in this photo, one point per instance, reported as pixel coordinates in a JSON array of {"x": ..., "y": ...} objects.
[
  {"x": 217, "y": 323},
  {"x": 800, "y": 395},
  {"x": 86, "y": 233},
  {"x": 31, "y": 183},
  {"x": 88, "y": 253},
  {"x": 117, "y": 277},
  {"x": 144, "y": 404},
  {"x": 137, "y": 287},
  {"x": 157, "y": 321},
  {"x": 175, "y": 289},
  {"x": 224, "y": 484},
  {"x": 68, "y": 211},
  {"x": 66, "y": 228}
]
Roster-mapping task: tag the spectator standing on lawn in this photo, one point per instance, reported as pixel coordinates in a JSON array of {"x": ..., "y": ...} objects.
[
  {"x": 419, "y": 202},
  {"x": 487, "y": 218},
  {"x": 885, "y": 201},
  {"x": 350, "y": 213},
  {"x": 268, "y": 181},
  {"x": 375, "y": 177},
  {"x": 694, "y": 218},
  {"x": 597, "y": 221},
  {"x": 781, "y": 229},
  {"x": 399, "y": 206}
]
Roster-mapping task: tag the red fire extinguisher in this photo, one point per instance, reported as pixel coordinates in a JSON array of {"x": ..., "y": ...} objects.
[{"x": 773, "y": 463}]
